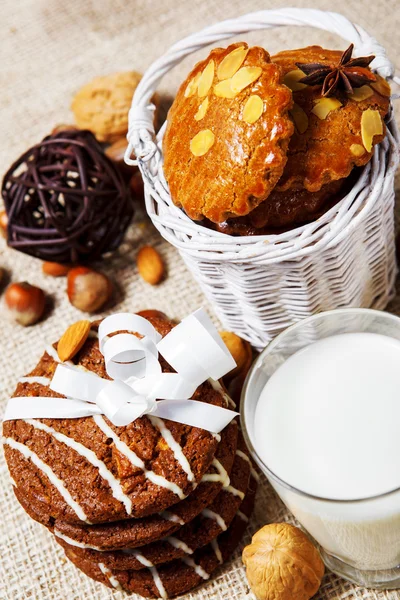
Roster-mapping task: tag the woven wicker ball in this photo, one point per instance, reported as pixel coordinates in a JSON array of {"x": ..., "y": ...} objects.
[{"x": 65, "y": 200}]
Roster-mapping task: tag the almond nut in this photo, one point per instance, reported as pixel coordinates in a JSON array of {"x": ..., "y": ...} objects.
[
  {"x": 291, "y": 80},
  {"x": 361, "y": 93},
  {"x": 357, "y": 150},
  {"x": 202, "y": 142},
  {"x": 232, "y": 63},
  {"x": 55, "y": 269},
  {"x": 223, "y": 89},
  {"x": 381, "y": 86},
  {"x": 244, "y": 77},
  {"x": 3, "y": 223},
  {"x": 299, "y": 117},
  {"x": 371, "y": 125},
  {"x": 253, "y": 109},
  {"x": 202, "y": 110},
  {"x": 72, "y": 340},
  {"x": 323, "y": 106},
  {"x": 150, "y": 265},
  {"x": 206, "y": 79},
  {"x": 192, "y": 86}
]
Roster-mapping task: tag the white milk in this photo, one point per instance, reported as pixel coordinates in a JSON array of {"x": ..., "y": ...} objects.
[{"x": 328, "y": 424}]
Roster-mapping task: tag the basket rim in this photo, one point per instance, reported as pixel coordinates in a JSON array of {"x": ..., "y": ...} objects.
[{"x": 207, "y": 244}]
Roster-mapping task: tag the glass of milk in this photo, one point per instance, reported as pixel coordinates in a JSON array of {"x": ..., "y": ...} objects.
[{"x": 321, "y": 416}]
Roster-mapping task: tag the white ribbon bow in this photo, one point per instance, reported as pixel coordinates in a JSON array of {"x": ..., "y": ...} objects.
[{"x": 138, "y": 386}]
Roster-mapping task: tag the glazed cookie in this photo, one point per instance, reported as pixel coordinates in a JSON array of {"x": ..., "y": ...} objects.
[
  {"x": 88, "y": 470},
  {"x": 227, "y": 134},
  {"x": 211, "y": 522},
  {"x": 288, "y": 209},
  {"x": 178, "y": 576},
  {"x": 137, "y": 532},
  {"x": 336, "y": 132}
]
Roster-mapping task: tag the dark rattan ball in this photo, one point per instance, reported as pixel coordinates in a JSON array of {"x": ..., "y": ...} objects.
[{"x": 65, "y": 200}]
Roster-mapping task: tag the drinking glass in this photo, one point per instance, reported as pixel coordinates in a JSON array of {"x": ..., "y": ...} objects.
[{"x": 358, "y": 539}]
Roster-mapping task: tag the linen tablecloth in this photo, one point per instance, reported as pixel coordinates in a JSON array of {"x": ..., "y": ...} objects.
[{"x": 48, "y": 49}]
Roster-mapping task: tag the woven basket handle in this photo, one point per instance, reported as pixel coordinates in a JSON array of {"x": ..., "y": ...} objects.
[{"x": 141, "y": 134}]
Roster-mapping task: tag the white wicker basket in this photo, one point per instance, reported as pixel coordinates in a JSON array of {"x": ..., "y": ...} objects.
[{"x": 260, "y": 285}]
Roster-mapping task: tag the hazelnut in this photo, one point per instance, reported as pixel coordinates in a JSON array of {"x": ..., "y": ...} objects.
[
  {"x": 25, "y": 302},
  {"x": 240, "y": 350},
  {"x": 282, "y": 564},
  {"x": 88, "y": 290},
  {"x": 3, "y": 223},
  {"x": 55, "y": 269}
]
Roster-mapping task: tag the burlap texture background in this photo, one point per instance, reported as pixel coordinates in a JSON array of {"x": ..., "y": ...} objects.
[{"x": 48, "y": 48}]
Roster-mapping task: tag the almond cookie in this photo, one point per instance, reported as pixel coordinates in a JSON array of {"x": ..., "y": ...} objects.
[
  {"x": 88, "y": 470},
  {"x": 178, "y": 576},
  {"x": 332, "y": 133},
  {"x": 103, "y": 104},
  {"x": 227, "y": 134}
]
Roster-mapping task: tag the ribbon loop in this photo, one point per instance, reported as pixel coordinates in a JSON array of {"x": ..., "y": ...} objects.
[
  {"x": 138, "y": 386},
  {"x": 116, "y": 402},
  {"x": 197, "y": 337}
]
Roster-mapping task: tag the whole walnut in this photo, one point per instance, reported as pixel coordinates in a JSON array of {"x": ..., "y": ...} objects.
[
  {"x": 282, "y": 564},
  {"x": 102, "y": 105}
]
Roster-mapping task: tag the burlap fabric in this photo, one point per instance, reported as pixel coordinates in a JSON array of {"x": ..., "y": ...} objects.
[{"x": 48, "y": 48}]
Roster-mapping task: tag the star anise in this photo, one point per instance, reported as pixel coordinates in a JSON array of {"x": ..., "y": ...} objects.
[{"x": 349, "y": 73}]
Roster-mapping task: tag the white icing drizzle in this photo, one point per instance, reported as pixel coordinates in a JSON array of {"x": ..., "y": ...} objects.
[
  {"x": 146, "y": 563},
  {"x": 40, "y": 380},
  {"x": 243, "y": 455},
  {"x": 156, "y": 577},
  {"x": 217, "y": 551},
  {"x": 72, "y": 542},
  {"x": 91, "y": 457},
  {"x": 242, "y": 516},
  {"x": 158, "y": 583},
  {"x": 113, "y": 580},
  {"x": 135, "y": 460},
  {"x": 139, "y": 557},
  {"x": 179, "y": 544},
  {"x": 255, "y": 475},
  {"x": 215, "y": 384},
  {"x": 218, "y": 387},
  {"x": 169, "y": 516},
  {"x": 54, "y": 355},
  {"x": 210, "y": 514},
  {"x": 58, "y": 484},
  {"x": 221, "y": 476},
  {"x": 234, "y": 491},
  {"x": 197, "y": 568},
  {"x": 173, "y": 444},
  {"x": 216, "y": 436}
]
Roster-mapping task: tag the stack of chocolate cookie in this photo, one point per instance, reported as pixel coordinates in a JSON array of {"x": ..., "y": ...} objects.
[{"x": 154, "y": 507}]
